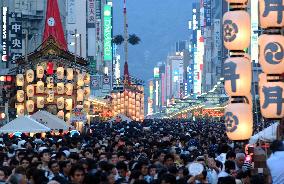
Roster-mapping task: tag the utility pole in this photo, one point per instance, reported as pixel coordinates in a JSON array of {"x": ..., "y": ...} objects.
[
  {"x": 80, "y": 38},
  {"x": 125, "y": 32},
  {"x": 26, "y": 45},
  {"x": 75, "y": 45}
]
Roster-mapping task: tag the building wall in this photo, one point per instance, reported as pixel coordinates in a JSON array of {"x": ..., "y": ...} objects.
[
  {"x": 33, "y": 19},
  {"x": 77, "y": 19}
]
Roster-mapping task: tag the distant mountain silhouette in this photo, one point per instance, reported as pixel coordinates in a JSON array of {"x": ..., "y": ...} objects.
[{"x": 159, "y": 24}]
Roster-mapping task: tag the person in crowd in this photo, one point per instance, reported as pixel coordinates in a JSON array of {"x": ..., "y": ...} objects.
[
  {"x": 276, "y": 168},
  {"x": 152, "y": 152},
  {"x": 77, "y": 174},
  {"x": 240, "y": 158}
]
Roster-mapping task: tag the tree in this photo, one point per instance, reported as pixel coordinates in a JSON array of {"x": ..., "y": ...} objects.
[
  {"x": 118, "y": 39},
  {"x": 133, "y": 39}
]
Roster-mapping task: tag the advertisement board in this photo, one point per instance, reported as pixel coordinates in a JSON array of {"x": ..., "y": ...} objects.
[
  {"x": 91, "y": 13},
  {"x": 254, "y": 31},
  {"x": 156, "y": 72},
  {"x": 5, "y": 34},
  {"x": 71, "y": 18},
  {"x": 107, "y": 33}
]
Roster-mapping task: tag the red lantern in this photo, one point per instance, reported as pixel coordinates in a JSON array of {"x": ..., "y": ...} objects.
[{"x": 49, "y": 69}]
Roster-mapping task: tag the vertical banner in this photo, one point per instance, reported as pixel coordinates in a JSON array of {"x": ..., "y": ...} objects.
[
  {"x": 71, "y": 18},
  {"x": 91, "y": 13},
  {"x": 16, "y": 40},
  {"x": 107, "y": 33},
  {"x": 5, "y": 34},
  {"x": 98, "y": 9},
  {"x": 207, "y": 12}
]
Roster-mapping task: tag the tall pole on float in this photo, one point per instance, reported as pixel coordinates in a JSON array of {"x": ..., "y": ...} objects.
[{"x": 125, "y": 32}]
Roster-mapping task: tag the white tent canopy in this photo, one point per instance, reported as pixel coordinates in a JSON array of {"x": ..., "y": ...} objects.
[
  {"x": 24, "y": 124},
  {"x": 122, "y": 116},
  {"x": 50, "y": 120},
  {"x": 268, "y": 134}
]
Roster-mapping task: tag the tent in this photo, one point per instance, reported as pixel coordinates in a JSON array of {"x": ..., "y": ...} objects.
[
  {"x": 50, "y": 120},
  {"x": 24, "y": 124},
  {"x": 268, "y": 134},
  {"x": 122, "y": 117}
]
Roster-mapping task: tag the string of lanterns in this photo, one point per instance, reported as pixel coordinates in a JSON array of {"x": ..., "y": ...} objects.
[
  {"x": 52, "y": 89},
  {"x": 271, "y": 58},
  {"x": 237, "y": 71}
]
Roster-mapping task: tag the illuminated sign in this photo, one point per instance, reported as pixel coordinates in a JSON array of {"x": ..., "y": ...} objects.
[
  {"x": 5, "y": 34},
  {"x": 107, "y": 33},
  {"x": 194, "y": 20},
  {"x": 198, "y": 63},
  {"x": 254, "y": 31},
  {"x": 157, "y": 93},
  {"x": 156, "y": 72}
]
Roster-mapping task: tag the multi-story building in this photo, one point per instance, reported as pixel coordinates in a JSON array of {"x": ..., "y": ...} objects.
[
  {"x": 214, "y": 49},
  {"x": 32, "y": 20}
]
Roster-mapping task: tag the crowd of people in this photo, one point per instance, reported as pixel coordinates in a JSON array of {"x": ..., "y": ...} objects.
[{"x": 152, "y": 152}]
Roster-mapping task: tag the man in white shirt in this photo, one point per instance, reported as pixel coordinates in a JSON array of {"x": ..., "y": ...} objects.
[{"x": 274, "y": 162}]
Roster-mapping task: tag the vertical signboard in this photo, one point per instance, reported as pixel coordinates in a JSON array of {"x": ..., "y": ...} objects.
[
  {"x": 71, "y": 18},
  {"x": 16, "y": 40},
  {"x": 98, "y": 9},
  {"x": 91, "y": 16},
  {"x": 254, "y": 31},
  {"x": 156, "y": 72},
  {"x": 5, "y": 34},
  {"x": 207, "y": 12},
  {"x": 107, "y": 33}
]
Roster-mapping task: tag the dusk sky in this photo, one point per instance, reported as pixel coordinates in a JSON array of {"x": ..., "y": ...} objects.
[{"x": 159, "y": 24}]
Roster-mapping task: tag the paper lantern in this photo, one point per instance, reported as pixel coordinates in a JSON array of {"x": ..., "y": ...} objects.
[
  {"x": 20, "y": 80},
  {"x": 39, "y": 71},
  {"x": 30, "y": 105},
  {"x": 80, "y": 80},
  {"x": 69, "y": 75},
  {"x": 60, "y": 88},
  {"x": 68, "y": 104},
  {"x": 87, "y": 105},
  {"x": 50, "y": 82},
  {"x": 67, "y": 117},
  {"x": 271, "y": 53},
  {"x": 50, "y": 96},
  {"x": 49, "y": 68},
  {"x": 40, "y": 87},
  {"x": 87, "y": 79},
  {"x": 60, "y": 114},
  {"x": 39, "y": 102},
  {"x": 87, "y": 92},
  {"x": 271, "y": 14},
  {"x": 80, "y": 95},
  {"x": 20, "y": 95},
  {"x": 60, "y": 103},
  {"x": 271, "y": 96},
  {"x": 238, "y": 121},
  {"x": 69, "y": 89},
  {"x": 236, "y": 27},
  {"x": 20, "y": 110},
  {"x": 30, "y": 75},
  {"x": 30, "y": 90},
  {"x": 60, "y": 73},
  {"x": 237, "y": 75}
]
